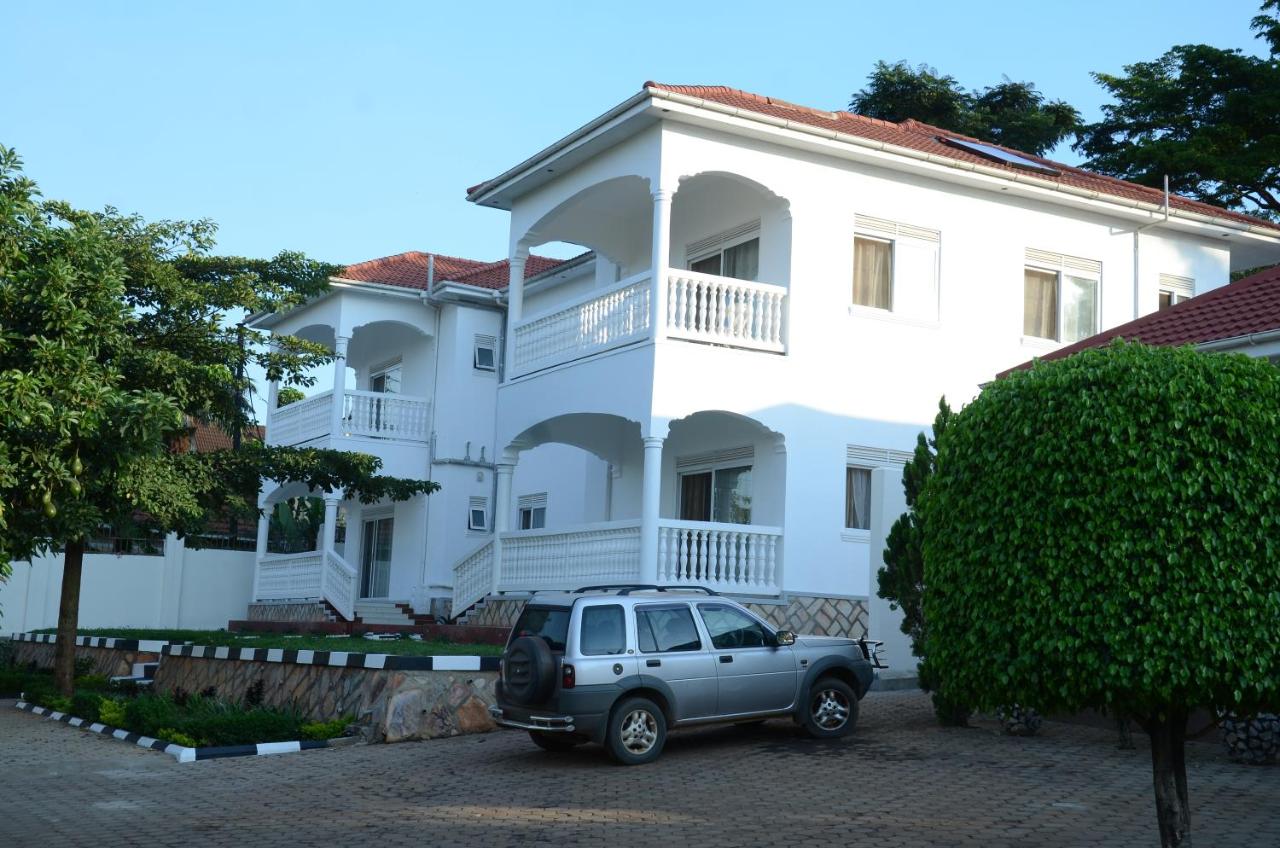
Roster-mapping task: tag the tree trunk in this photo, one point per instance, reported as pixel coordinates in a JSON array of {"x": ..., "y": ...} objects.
[
  {"x": 64, "y": 651},
  {"x": 1169, "y": 772}
]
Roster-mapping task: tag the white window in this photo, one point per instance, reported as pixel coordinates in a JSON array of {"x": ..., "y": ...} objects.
[
  {"x": 857, "y": 498},
  {"x": 895, "y": 268},
  {"x": 716, "y": 486},
  {"x": 485, "y": 357},
  {"x": 385, "y": 380},
  {"x": 533, "y": 511},
  {"x": 734, "y": 253},
  {"x": 1175, "y": 289},
  {"x": 1060, "y": 296},
  {"x": 478, "y": 514}
]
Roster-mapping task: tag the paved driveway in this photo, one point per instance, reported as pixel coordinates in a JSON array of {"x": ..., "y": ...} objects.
[{"x": 900, "y": 781}]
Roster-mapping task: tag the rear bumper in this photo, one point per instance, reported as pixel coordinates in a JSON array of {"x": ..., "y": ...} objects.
[
  {"x": 549, "y": 724},
  {"x": 583, "y": 712}
]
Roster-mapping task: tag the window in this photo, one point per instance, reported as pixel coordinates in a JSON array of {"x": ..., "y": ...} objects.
[
  {"x": 603, "y": 631},
  {"x": 1059, "y": 297},
  {"x": 857, "y": 498},
  {"x": 661, "y": 629},
  {"x": 478, "y": 514},
  {"x": 895, "y": 268},
  {"x": 721, "y": 494},
  {"x": 1175, "y": 289},
  {"x": 730, "y": 627},
  {"x": 533, "y": 511},
  {"x": 734, "y": 253},
  {"x": 485, "y": 357},
  {"x": 386, "y": 380},
  {"x": 551, "y": 624}
]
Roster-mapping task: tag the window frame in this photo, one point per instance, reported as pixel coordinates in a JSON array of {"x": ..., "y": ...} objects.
[
  {"x": 530, "y": 505},
  {"x": 713, "y": 469},
  {"x": 480, "y": 342},
  {"x": 659, "y": 607},
  {"x": 1179, "y": 289},
  {"x": 893, "y": 267},
  {"x": 848, "y": 480},
  {"x": 480, "y": 505},
  {"x": 769, "y": 634},
  {"x": 1061, "y": 272},
  {"x": 383, "y": 370},
  {"x": 717, "y": 245},
  {"x": 582, "y": 626}
]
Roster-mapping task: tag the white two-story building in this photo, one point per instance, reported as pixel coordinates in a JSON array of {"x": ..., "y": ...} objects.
[{"x": 721, "y": 390}]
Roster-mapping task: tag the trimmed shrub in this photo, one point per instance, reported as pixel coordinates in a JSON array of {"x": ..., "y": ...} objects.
[
  {"x": 326, "y": 729},
  {"x": 85, "y": 705},
  {"x": 146, "y": 714},
  {"x": 177, "y": 737},
  {"x": 111, "y": 712}
]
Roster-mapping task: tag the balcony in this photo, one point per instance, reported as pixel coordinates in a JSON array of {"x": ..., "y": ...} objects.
[
  {"x": 364, "y": 415},
  {"x": 699, "y": 308}
]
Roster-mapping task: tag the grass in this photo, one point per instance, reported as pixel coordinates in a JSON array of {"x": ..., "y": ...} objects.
[{"x": 219, "y": 638}]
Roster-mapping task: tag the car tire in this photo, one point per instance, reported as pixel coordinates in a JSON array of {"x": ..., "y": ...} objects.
[
  {"x": 830, "y": 710},
  {"x": 636, "y": 733},
  {"x": 554, "y": 742}
]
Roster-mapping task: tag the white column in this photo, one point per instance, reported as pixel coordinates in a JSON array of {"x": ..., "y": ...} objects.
[
  {"x": 888, "y": 502},
  {"x": 264, "y": 526},
  {"x": 652, "y": 493},
  {"x": 660, "y": 261},
  {"x": 501, "y": 515},
  {"x": 171, "y": 581},
  {"x": 331, "y": 501},
  {"x": 515, "y": 304},
  {"x": 339, "y": 384}
]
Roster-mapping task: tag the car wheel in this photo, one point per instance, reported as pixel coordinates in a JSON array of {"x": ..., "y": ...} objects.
[
  {"x": 636, "y": 733},
  {"x": 831, "y": 710},
  {"x": 556, "y": 742}
]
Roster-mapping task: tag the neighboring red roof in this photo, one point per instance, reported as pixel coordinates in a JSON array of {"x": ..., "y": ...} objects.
[
  {"x": 1249, "y": 305},
  {"x": 922, "y": 137},
  {"x": 207, "y": 438},
  {"x": 409, "y": 270}
]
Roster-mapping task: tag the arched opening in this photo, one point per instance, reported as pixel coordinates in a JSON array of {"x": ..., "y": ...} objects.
[{"x": 726, "y": 225}]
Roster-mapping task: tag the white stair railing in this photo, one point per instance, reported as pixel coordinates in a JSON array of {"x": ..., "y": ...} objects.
[
  {"x": 472, "y": 578},
  {"x": 736, "y": 558},
  {"x": 570, "y": 558},
  {"x": 290, "y": 577},
  {"x": 722, "y": 310},
  {"x": 338, "y": 585}
]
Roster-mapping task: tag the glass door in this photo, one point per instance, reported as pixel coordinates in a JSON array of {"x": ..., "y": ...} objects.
[{"x": 375, "y": 562}]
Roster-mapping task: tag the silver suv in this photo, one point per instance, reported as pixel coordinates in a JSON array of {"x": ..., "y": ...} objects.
[{"x": 622, "y": 664}]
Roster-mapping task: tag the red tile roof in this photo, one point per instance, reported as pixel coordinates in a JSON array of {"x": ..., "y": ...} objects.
[
  {"x": 209, "y": 437},
  {"x": 1249, "y": 305},
  {"x": 409, "y": 270}
]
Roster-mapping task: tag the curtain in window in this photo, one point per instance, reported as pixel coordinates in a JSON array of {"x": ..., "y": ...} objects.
[
  {"x": 1040, "y": 304},
  {"x": 742, "y": 261},
  {"x": 857, "y": 498},
  {"x": 872, "y": 273},
  {"x": 1079, "y": 308},
  {"x": 695, "y": 497}
]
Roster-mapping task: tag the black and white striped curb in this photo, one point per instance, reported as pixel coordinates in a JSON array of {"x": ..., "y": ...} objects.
[
  {"x": 179, "y": 752},
  {"x": 151, "y": 645},
  {"x": 337, "y": 659}
]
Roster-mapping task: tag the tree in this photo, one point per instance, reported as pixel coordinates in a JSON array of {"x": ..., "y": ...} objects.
[
  {"x": 1013, "y": 114},
  {"x": 115, "y": 333},
  {"x": 1101, "y": 533},
  {"x": 1208, "y": 118}
]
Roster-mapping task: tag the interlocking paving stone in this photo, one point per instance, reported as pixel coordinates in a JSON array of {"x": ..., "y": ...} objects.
[{"x": 899, "y": 781}]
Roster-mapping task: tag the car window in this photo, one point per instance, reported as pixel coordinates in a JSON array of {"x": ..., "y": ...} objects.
[
  {"x": 732, "y": 628},
  {"x": 603, "y": 631},
  {"x": 667, "y": 629},
  {"x": 549, "y": 623}
]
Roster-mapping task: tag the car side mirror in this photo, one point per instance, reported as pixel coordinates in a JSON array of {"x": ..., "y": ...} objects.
[{"x": 785, "y": 638}]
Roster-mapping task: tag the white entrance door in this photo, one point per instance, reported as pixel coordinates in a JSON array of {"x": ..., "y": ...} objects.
[{"x": 375, "y": 560}]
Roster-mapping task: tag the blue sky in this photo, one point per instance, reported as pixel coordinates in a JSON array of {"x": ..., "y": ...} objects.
[{"x": 350, "y": 130}]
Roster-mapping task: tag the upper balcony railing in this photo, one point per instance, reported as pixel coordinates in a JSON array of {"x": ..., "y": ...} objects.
[
  {"x": 699, "y": 307},
  {"x": 370, "y": 415}
]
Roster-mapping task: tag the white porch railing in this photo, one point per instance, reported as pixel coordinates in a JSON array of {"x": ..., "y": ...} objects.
[
  {"x": 378, "y": 415},
  {"x": 590, "y": 324},
  {"x": 720, "y": 310},
  {"x": 308, "y": 576},
  {"x": 371, "y": 415},
  {"x": 569, "y": 559},
  {"x": 301, "y": 421},
  {"x": 737, "y": 558},
  {"x": 472, "y": 578}
]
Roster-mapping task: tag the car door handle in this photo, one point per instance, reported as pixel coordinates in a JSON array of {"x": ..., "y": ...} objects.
[
  {"x": 653, "y": 663},
  {"x": 726, "y": 658}
]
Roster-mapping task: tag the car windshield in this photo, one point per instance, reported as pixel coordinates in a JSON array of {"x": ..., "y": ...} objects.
[{"x": 551, "y": 624}]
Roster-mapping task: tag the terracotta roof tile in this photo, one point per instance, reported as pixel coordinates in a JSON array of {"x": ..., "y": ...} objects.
[
  {"x": 409, "y": 270},
  {"x": 1249, "y": 305}
]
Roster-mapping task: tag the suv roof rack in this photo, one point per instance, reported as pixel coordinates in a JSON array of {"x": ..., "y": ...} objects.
[{"x": 628, "y": 588}]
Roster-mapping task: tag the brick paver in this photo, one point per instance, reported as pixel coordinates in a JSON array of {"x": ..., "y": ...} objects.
[{"x": 899, "y": 781}]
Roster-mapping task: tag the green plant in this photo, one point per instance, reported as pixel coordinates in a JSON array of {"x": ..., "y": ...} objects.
[
  {"x": 255, "y": 693},
  {"x": 111, "y": 712},
  {"x": 83, "y": 666},
  {"x": 85, "y": 705},
  {"x": 326, "y": 729},
  {"x": 148, "y": 713},
  {"x": 177, "y": 737},
  {"x": 95, "y": 682},
  {"x": 1100, "y": 533}
]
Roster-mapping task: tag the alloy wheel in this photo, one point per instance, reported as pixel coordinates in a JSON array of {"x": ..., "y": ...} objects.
[
  {"x": 639, "y": 732},
  {"x": 830, "y": 709}
]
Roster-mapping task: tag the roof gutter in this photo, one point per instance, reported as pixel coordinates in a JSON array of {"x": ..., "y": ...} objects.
[{"x": 1248, "y": 340}]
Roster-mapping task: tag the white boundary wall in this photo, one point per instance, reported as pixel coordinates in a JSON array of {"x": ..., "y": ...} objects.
[{"x": 189, "y": 589}]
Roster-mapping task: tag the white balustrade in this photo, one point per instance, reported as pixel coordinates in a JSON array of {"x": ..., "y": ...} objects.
[
  {"x": 587, "y": 325},
  {"x": 338, "y": 585},
  {"x": 300, "y": 421},
  {"x": 472, "y": 578},
  {"x": 721, "y": 310},
  {"x": 570, "y": 558},
  {"x": 737, "y": 558},
  {"x": 290, "y": 577},
  {"x": 378, "y": 415}
]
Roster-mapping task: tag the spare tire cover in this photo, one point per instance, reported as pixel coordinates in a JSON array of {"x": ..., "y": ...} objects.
[{"x": 528, "y": 672}]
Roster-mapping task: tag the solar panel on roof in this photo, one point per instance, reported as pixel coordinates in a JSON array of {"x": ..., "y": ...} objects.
[{"x": 995, "y": 154}]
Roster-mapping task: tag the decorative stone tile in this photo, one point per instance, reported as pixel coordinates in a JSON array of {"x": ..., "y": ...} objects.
[{"x": 288, "y": 612}]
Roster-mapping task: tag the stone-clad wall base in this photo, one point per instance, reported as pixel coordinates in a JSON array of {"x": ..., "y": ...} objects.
[
  {"x": 805, "y": 614},
  {"x": 288, "y": 612},
  {"x": 107, "y": 662}
]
